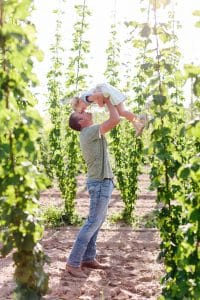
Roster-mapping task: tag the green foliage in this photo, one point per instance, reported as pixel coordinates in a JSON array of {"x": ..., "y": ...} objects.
[
  {"x": 20, "y": 179},
  {"x": 192, "y": 73},
  {"x": 55, "y": 217},
  {"x": 65, "y": 154},
  {"x": 37, "y": 279},
  {"x": 113, "y": 56},
  {"x": 173, "y": 152},
  {"x": 127, "y": 152},
  {"x": 77, "y": 67},
  {"x": 123, "y": 219},
  {"x": 159, "y": 3},
  {"x": 152, "y": 66},
  {"x": 196, "y": 87},
  {"x": 125, "y": 148},
  {"x": 58, "y": 162},
  {"x": 182, "y": 279},
  {"x": 188, "y": 252},
  {"x": 45, "y": 158},
  {"x": 150, "y": 220},
  {"x": 52, "y": 216},
  {"x": 196, "y": 13},
  {"x": 76, "y": 75}
]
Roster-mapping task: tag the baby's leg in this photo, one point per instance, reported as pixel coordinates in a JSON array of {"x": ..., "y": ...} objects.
[
  {"x": 138, "y": 123},
  {"x": 125, "y": 113}
]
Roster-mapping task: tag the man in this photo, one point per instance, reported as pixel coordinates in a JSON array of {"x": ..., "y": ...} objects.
[{"x": 99, "y": 185}]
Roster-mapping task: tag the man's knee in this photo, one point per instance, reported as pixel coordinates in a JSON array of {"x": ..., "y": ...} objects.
[{"x": 94, "y": 222}]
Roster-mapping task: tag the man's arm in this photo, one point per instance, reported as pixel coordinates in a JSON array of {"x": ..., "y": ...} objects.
[{"x": 113, "y": 120}]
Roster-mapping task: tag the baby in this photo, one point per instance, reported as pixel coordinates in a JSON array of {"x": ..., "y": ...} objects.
[{"x": 99, "y": 94}]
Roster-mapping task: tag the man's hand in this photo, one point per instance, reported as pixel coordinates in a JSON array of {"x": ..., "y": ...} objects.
[{"x": 113, "y": 120}]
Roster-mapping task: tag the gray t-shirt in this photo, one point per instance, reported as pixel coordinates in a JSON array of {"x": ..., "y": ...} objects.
[{"x": 94, "y": 149}]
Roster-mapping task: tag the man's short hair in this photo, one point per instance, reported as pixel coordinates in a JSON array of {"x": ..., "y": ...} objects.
[{"x": 74, "y": 122}]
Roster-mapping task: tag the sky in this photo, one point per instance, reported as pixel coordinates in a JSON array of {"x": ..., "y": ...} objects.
[{"x": 98, "y": 34}]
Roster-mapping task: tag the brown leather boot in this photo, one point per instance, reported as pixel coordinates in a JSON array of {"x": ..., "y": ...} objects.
[
  {"x": 94, "y": 264},
  {"x": 76, "y": 272}
]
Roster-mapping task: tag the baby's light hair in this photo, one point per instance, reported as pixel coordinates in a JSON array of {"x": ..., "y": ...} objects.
[{"x": 75, "y": 102}]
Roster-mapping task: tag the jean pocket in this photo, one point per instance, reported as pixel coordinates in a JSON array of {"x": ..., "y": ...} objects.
[{"x": 106, "y": 189}]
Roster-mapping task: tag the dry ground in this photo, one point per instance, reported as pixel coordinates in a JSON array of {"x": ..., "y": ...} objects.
[{"x": 135, "y": 273}]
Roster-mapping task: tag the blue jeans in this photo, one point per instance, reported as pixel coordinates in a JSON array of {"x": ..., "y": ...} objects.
[{"x": 84, "y": 248}]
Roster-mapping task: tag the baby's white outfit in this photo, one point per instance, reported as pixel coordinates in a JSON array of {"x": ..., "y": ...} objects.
[{"x": 108, "y": 90}]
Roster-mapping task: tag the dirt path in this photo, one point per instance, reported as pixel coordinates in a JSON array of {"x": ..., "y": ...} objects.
[{"x": 132, "y": 254}]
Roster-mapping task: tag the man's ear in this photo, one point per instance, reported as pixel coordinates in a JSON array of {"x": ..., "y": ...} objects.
[{"x": 81, "y": 121}]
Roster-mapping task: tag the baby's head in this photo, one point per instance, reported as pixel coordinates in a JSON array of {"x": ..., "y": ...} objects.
[{"x": 79, "y": 104}]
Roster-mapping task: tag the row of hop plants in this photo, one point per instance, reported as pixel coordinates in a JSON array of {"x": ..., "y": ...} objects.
[
  {"x": 125, "y": 148},
  {"x": 65, "y": 155},
  {"x": 21, "y": 179},
  {"x": 173, "y": 152}
]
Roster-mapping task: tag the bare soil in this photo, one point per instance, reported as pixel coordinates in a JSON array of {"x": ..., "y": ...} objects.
[{"x": 131, "y": 252}]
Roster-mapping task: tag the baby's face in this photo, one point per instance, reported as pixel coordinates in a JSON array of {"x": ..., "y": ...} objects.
[{"x": 81, "y": 106}]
